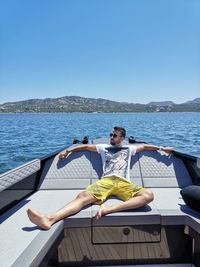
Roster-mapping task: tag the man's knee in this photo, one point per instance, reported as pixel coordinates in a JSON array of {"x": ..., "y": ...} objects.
[
  {"x": 84, "y": 196},
  {"x": 148, "y": 195}
]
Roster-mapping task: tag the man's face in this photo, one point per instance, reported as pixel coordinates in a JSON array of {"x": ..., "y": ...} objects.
[{"x": 116, "y": 138}]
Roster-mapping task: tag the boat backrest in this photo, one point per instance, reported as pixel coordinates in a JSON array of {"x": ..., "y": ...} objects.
[
  {"x": 159, "y": 169},
  {"x": 70, "y": 173},
  {"x": 148, "y": 168}
]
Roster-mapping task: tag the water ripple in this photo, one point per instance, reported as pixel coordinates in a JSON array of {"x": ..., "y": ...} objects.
[{"x": 24, "y": 137}]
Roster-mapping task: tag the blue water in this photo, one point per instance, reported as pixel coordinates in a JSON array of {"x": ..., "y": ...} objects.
[{"x": 24, "y": 137}]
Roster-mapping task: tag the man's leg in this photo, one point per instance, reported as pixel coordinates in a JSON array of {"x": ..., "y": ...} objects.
[
  {"x": 141, "y": 199},
  {"x": 46, "y": 221}
]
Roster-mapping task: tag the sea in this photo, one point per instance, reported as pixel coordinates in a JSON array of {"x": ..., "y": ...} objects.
[{"x": 25, "y": 136}]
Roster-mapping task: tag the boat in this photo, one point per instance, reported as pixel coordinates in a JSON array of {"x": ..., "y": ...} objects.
[{"x": 165, "y": 232}]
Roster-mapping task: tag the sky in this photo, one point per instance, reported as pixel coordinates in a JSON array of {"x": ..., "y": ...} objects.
[{"x": 124, "y": 50}]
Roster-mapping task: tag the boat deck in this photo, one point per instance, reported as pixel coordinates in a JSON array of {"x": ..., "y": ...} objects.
[{"x": 138, "y": 236}]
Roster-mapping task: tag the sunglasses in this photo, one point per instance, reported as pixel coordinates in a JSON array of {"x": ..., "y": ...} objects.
[{"x": 114, "y": 135}]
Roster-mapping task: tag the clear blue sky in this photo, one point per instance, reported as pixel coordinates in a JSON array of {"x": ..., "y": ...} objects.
[{"x": 125, "y": 50}]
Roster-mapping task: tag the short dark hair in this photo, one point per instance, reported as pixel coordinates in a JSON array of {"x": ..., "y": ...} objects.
[{"x": 121, "y": 130}]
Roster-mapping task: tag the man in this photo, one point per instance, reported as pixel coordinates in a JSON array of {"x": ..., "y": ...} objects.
[{"x": 115, "y": 181}]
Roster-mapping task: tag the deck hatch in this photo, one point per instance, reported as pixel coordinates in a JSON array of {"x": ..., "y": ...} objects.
[{"x": 125, "y": 234}]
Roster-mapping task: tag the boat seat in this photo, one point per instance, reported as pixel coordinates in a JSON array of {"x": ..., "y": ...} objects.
[
  {"x": 23, "y": 243},
  {"x": 173, "y": 209},
  {"x": 152, "y": 169}
]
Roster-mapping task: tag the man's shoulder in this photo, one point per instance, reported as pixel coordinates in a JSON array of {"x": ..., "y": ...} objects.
[{"x": 101, "y": 147}]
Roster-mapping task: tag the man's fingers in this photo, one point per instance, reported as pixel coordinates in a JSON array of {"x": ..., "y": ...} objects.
[{"x": 61, "y": 156}]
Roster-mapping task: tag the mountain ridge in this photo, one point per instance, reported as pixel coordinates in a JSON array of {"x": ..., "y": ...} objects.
[{"x": 84, "y": 104}]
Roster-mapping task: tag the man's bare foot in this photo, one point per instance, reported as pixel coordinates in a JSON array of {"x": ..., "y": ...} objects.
[
  {"x": 41, "y": 220},
  {"x": 103, "y": 210}
]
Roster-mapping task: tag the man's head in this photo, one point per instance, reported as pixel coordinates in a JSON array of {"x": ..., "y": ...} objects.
[{"x": 117, "y": 136}]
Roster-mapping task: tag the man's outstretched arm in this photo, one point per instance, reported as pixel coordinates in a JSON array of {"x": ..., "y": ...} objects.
[
  {"x": 143, "y": 147},
  {"x": 68, "y": 151}
]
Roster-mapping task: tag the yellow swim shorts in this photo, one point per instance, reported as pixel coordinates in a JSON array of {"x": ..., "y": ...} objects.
[{"x": 112, "y": 186}]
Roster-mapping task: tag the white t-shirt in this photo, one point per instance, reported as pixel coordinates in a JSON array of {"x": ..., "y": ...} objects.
[{"x": 116, "y": 161}]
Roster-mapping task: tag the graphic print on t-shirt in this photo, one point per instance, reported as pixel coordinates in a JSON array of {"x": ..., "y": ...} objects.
[{"x": 116, "y": 161}]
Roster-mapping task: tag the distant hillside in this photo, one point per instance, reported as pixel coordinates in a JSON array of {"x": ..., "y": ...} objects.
[
  {"x": 196, "y": 101},
  {"x": 83, "y": 104}
]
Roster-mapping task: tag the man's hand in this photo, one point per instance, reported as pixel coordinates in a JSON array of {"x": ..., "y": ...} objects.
[
  {"x": 64, "y": 154},
  {"x": 168, "y": 149}
]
